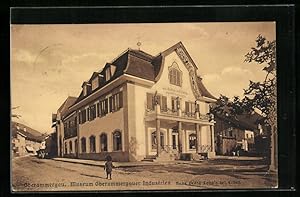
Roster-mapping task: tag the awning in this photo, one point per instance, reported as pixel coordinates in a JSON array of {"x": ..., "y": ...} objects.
[{"x": 29, "y": 149}]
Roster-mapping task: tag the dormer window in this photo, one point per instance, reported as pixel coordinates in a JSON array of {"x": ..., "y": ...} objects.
[
  {"x": 110, "y": 71},
  {"x": 85, "y": 87},
  {"x": 95, "y": 83},
  {"x": 175, "y": 74},
  {"x": 107, "y": 74},
  {"x": 84, "y": 90}
]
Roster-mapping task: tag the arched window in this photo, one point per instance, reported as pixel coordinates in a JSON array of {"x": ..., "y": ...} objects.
[
  {"x": 117, "y": 141},
  {"x": 175, "y": 75},
  {"x": 83, "y": 145},
  {"x": 71, "y": 146},
  {"x": 103, "y": 142},
  {"x": 192, "y": 141},
  {"x": 154, "y": 141},
  {"x": 92, "y": 144}
]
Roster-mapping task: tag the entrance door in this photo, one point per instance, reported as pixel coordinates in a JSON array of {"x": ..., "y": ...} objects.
[
  {"x": 154, "y": 141},
  {"x": 174, "y": 141}
]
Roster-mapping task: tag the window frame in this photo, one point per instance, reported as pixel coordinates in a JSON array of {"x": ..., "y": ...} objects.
[
  {"x": 92, "y": 144},
  {"x": 105, "y": 149},
  {"x": 83, "y": 150},
  {"x": 117, "y": 146}
]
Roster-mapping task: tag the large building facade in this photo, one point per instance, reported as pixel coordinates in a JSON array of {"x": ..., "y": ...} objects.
[{"x": 140, "y": 106}]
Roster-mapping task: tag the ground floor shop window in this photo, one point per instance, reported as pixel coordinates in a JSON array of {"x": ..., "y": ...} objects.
[
  {"x": 192, "y": 141},
  {"x": 117, "y": 141},
  {"x": 92, "y": 144},
  {"x": 83, "y": 145},
  {"x": 103, "y": 142},
  {"x": 154, "y": 140}
]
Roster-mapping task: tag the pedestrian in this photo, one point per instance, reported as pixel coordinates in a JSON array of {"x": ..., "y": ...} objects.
[{"x": 108, "y": 166}]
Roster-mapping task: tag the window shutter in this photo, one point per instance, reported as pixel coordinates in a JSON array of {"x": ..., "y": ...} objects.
[
  {"x": 121, "y": 99},
  {"x": 150, "y": 101},
  {"x": 187, "y": 107}
]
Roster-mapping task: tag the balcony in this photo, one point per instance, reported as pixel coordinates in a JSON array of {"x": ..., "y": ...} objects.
[{"x": 177, "y": 115}]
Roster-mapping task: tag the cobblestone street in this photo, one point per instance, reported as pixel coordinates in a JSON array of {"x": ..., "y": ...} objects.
[{"x": 33, "y": 174}]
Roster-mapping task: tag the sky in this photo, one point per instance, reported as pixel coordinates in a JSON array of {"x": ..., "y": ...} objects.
[{"x": 50, "y": 62}]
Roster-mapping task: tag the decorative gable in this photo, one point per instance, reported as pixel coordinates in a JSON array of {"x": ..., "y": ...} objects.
[{"x": 191, "y": 68}]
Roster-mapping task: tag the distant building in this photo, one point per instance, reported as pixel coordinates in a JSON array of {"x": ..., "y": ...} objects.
[
  {"x": 236, "y": 133},
  {"x": 138, "y": 107},
  {"x": 25, "y": 140}
]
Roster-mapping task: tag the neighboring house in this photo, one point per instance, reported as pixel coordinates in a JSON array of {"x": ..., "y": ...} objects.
[
  {"x": 123, "y": 108},
  {"x": 25, "y": 140},
  {"x": 236, "y": 133},
  {"x": 59, "y": 126}
]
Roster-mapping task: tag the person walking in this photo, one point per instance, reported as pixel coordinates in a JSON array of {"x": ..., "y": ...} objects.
[{"x": 108, "y": 166}]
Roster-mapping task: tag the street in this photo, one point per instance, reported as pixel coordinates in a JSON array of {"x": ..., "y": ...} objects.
[{"x": 33, "y": 174}]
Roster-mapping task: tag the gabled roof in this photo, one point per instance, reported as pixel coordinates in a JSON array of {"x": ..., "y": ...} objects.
[
  {"x": 29, "y": 134},
  {"x": 142, "y": 65},
  {"x": 63, "y": 109}
]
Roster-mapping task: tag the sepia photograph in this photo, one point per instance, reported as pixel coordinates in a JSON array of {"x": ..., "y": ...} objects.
[{"x": 143, "y": 106}]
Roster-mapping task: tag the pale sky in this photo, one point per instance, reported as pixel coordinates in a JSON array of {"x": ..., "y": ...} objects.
[{"x": 50, "y": 62}]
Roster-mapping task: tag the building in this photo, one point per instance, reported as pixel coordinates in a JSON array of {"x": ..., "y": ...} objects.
[
  {"x": 25, "y": 140},
  {"x": 236, "y": 133},
  {"x": 135, "y": 98}
]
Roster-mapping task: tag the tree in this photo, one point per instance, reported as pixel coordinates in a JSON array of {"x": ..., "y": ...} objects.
[
  {"x": 259, "y": 95},
  {"x": 263, "y": 95}
]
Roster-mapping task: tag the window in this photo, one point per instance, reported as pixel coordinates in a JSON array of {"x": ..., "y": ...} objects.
[
  {"x": 150, "y": 101},
  {"x": 103, "y": 142},
  {"x": 92, "y": 144},
  {"x": 192, "y": 141},
  {"x": 83, "y": 145},
  {"x": 175, "y": 103},
  {"x": 116, "y": 102},
  {"x": 103, "y": 107},
  {"x": 83, "y": 116},
  {"x": 154, "y": 141},
  {"x": 84, "y": 90},
  {"x": 95, "y": 83},
  {"x": 76, "y": 146},
  {"x": 164, "y": 103},
  {"x": 175, "y": 75},
  {"x": 66, "y": 148},
  {"x": 190, "y": 107},
  {"x": 92, "y": 110},
  {"x": 107, "y": 74},
  {"x": 117, "y": 141}
]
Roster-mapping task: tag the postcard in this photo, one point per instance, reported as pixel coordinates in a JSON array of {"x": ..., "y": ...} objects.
[{"x": 143, "y": 106}]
